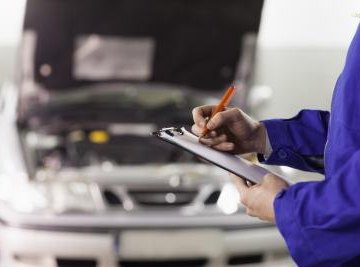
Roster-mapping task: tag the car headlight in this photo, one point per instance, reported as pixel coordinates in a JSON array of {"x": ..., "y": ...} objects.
[
  {"x": 24, "y": 197},
  {"x": 51, "y": 197},
  {"x": 76, "y": 197}
]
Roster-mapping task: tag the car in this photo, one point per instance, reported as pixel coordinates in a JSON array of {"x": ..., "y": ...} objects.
[{"x": 82, "y": 181}]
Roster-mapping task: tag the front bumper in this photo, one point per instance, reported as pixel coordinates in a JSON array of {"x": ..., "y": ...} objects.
[
  {"x": 153, "y": 239},
  {"x": 206, "y": 247}
]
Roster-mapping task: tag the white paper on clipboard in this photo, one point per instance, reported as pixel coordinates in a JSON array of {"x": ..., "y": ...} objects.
[{"x": 232, "y": 163}]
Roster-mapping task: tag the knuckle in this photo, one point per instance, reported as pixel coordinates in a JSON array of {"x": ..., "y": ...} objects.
[{"x": 237, "y": 112}]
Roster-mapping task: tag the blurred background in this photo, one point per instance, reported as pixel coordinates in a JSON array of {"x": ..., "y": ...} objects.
[
  {"x": 301, "y": 49},
  {"x": 69, "y": 197}
]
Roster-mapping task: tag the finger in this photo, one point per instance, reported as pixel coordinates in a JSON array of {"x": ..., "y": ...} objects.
[
  {"x": 197, "y": 130},
  {"x": 200, "y": 114},
  {"x": 223, "y": 117},
  {"x": 226, "y": 146},
  {"x": 213, "y": 134},
  {"x": 213, "y": 141}
]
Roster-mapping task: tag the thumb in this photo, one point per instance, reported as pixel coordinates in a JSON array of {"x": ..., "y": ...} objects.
[{"x": 272, "y": 179}]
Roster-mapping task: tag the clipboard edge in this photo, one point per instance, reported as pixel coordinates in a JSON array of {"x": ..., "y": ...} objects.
[{"x": 164, "y": 130}]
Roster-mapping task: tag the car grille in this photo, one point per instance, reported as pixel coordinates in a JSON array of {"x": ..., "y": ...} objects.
[
  {"x": 164, "y": 263},
  {"x": 111, "y": 198},
  {"x": 162, "y": 198},
  {"x": 245, "y": 259},
  {"x": 76, "y": 262},
  {"x": 235, "y": 260},
  {"x": 159, "y": 197}
]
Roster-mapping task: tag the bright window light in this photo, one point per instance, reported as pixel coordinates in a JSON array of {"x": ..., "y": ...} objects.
[{"x": 11, "y": 21}]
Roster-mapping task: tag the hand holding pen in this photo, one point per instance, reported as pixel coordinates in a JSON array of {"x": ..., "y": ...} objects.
[
  {"x": 228, "y": 129},
  {"x": 224, "y": 102}
]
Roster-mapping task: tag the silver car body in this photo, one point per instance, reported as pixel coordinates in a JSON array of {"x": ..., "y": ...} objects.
[{"x": 57, "y": 217}]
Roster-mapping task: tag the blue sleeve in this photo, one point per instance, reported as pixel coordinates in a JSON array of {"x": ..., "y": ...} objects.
[
  {"x": 299, "y": 142},
  {"x": 320, "y": 221}
]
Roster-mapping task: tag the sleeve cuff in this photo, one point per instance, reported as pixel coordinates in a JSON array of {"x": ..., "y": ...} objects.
[
  {"x": 268, "y": 148},
  {"x": 277, "y": 133}
]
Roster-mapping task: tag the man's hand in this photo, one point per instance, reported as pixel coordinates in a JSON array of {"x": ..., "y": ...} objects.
[
  {"x": 258, "y": 199},
  {"x": 231, "y": 130}
]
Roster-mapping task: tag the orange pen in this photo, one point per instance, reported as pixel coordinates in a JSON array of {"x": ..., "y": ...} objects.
[{"x": 225, "y": 100}]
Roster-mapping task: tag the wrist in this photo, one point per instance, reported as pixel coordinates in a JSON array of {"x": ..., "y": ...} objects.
[{"x": 260, "y": 140}]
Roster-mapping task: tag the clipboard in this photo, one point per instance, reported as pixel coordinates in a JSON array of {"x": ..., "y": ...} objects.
[{"x": 235, "y": 164}]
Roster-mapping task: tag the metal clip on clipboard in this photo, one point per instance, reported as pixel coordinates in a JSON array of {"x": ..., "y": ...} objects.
[
  {"x": 172, "y": 131},
  {"x": 235, "y": 164}
]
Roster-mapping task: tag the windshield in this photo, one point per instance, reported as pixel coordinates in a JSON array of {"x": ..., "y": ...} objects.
[{"x": 106, "y": 126}]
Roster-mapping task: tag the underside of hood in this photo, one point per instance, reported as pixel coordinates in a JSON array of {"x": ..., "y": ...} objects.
[{"x": 192, "y": 43}]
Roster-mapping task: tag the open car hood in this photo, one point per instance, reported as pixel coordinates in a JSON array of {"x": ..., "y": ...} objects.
[{"x": 192, "y": 43}]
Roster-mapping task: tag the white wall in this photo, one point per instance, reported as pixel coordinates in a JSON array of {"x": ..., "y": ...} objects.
[
  {"x": 298, "y": 23},
  {"x": 302, "y": 47},
  {"x": 11, "y": 14},
  {"x": 11, "y": 20}
]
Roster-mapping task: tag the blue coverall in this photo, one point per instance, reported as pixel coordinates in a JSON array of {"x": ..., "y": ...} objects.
[{"x": 320, "y": 220}]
